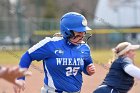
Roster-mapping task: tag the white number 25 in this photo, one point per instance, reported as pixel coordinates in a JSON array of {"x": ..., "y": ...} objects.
[{"x": 71, "y": 71}]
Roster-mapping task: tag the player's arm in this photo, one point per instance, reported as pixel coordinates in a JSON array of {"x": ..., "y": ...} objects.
[
  {"x": 38, "y": 52},
  {"x": 130, "y": 68},
  {"x": 89, "y": 68}
]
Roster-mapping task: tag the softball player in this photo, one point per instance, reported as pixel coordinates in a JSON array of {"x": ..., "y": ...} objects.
[
  {"x": 64, "y": 58},
  {"x": 11, "y": 74},
  {"x": 120, "y": 78}
]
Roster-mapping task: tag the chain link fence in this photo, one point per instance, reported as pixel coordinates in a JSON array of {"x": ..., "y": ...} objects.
[{"x": 23, "y": 33}]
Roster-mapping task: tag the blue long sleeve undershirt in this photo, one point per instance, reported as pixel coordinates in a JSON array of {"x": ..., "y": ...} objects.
[
  {"x": 88, "y": 61},
  {"x": 25, "y": 62}
]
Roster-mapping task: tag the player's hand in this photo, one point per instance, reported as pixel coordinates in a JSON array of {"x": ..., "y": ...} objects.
[
  {"x": 11, "y": 74},
  {"x": 18, "y": 89},
  {"x": 90, "y": 69}
]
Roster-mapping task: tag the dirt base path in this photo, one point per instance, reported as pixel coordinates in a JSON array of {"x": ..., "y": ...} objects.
[{"x": 34, "y": 83}]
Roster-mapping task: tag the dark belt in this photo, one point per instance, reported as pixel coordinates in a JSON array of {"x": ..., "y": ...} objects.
[{"x": 58, "y": 91}]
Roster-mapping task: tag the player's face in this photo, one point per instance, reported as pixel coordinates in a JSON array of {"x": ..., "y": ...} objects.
[
  {"x": 77, "y": 38},
  {"x": 131, "y": 54}
]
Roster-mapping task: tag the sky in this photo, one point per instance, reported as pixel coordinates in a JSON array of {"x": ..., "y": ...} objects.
[
  {"x": 123, "y": 16},
  {"x": 13, "y": 1}
]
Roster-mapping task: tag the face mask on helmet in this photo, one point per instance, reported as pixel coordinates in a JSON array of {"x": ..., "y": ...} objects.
[{"x": 73, "y": 21}]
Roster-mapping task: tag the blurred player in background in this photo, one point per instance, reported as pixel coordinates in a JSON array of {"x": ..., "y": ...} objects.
[
  {"x": 64, "y": 57},
  {"x": 120, "y": 77},
  {"x": 11, "y": 74}
]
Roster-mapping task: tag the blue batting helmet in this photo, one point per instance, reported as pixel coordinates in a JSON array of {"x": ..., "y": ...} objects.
[{"x": 73, "y": 21}]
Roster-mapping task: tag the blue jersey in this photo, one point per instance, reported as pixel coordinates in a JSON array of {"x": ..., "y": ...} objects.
[
  {"x": 117, "y": 77},
  {"x": 63, "y": 62}
]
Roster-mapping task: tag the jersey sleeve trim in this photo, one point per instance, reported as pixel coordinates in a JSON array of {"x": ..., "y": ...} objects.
[{"x": 40, "y": 44}]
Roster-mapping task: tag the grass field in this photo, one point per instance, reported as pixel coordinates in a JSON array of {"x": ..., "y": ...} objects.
[
  {"x": 103, "y": 56},
  {"x": 10, "y": 57},
  {"x": 99, "y": 56}
]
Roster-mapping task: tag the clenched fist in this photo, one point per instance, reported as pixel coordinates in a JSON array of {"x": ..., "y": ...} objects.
[{"x": 90, "y": 69}]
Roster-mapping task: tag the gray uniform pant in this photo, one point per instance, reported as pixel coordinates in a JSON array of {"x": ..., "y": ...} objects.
[{"x": 47, "y": 89}]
